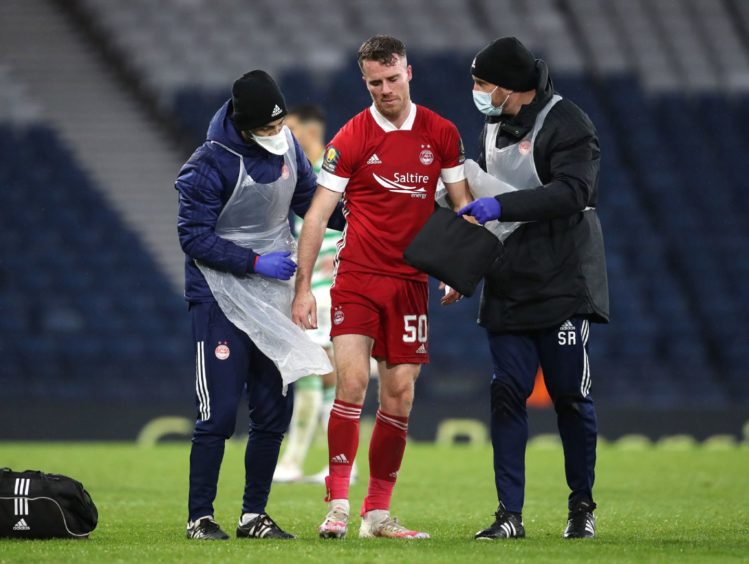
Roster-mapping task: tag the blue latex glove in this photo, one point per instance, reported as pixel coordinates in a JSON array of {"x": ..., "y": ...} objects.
[
  {"x": 483, "y": 209},
  {"x": 276, "y": 265}
]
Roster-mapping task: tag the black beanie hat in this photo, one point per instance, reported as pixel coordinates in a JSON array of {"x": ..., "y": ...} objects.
[
  {"x": 507, "y": 63},
  {"x": 256, "y": 100}
]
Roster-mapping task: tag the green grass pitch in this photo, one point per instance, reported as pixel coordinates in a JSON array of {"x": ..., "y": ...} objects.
[{"x": 656, "y": 504}]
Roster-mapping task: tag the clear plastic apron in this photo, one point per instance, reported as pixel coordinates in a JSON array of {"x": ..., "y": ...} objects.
[
  {"x": 507, "y": 169},
  {"x": 256, "y": 217}
]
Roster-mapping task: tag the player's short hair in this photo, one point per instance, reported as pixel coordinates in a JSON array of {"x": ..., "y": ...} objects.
[
  {"x": 306, "y": 113},
  {"x": 381, "y": 48}
]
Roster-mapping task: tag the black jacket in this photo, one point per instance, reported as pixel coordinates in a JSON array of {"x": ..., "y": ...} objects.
[{"x": 553, "y": 267}]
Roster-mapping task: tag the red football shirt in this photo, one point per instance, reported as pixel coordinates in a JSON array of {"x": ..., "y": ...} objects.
[{"x": 388, "y": 177}]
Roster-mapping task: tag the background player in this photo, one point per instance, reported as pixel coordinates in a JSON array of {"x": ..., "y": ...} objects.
[
  {"x": 314, "y": 395},
  {"x": 385, "y": 162}
]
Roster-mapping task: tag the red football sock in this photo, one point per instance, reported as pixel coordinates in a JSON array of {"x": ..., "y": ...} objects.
[
  {"x": 385, "y": 456},
  {"x": 343, "y": 440}
]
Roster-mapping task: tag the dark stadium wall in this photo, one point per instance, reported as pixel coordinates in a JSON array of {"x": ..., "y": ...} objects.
[{"x": 99, "y": 421}]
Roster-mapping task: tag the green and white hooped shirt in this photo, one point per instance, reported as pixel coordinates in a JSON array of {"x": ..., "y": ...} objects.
[{"x": 322, "y": 273}]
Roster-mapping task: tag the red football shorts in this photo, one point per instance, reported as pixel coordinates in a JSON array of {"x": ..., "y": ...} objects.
[{"x": 393, "y": 311}]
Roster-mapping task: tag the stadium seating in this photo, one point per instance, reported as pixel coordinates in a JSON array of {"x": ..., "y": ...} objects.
[
  {"x": 85, "y": 312},
  {"x": 670, "y": 112}
]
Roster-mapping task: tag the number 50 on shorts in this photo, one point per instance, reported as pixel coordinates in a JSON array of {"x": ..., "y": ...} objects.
[{"x": 415, "y": 328}]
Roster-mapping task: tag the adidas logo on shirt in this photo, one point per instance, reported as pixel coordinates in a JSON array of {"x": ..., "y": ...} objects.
[
  {"x": 422, "y": 349},
  {"x": 21, "y": 526},
  {"x": 567, "y": 326},
  {"x": 340, "y": 459},
  {"x": 374, "y": 159},
  {"x": 276, "y": 111}
]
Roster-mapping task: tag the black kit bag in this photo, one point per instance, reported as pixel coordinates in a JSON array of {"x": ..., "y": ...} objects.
[
  {"x": 35, "y": 505},
  {"x": 453, "y": 250}
]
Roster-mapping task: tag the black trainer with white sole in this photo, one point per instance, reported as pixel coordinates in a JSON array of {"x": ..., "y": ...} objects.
[
  {"x": 506, "y": 526},
  {"x": 581, "y": 523},
  {"x": 262, "y": 527},
  {"x": 205, "y": 528}
]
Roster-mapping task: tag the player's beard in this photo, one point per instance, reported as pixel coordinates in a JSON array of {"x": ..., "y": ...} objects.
[{"x": 391, "y": 111}]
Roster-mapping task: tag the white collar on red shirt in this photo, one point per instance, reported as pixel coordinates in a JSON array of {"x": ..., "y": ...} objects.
[{"x": 387, "y": 126}]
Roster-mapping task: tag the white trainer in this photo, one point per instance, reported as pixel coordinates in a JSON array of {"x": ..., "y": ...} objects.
[
  {"x": 335, "y": 524},
  {"x": 287, "y": 474},
  {"x": 379, "y": 523}
]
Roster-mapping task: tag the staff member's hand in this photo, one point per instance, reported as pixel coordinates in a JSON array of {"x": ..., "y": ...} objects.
[
  {"x": 275, "y": 265},
  {"x": 451, "y": 295},
  {"x": 483, "y": 209}
]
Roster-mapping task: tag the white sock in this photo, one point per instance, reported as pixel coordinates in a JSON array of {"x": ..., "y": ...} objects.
[
  {"x": 247, "y": 517},
  {"x": 341, "y": 503},
  {"x": 377, "y": 515},
  {"x": 325, "y": 407},
  {"x": 302, "y": 427},
  {"x": 191, "y": 523}
]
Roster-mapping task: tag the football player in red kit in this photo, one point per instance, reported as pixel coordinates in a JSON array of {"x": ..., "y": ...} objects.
[{"x": 385, "y": 163}]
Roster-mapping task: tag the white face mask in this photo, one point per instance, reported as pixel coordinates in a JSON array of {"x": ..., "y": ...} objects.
[
  {"x": 483, "y": 102},
  {"x": 276, "y": 144}
]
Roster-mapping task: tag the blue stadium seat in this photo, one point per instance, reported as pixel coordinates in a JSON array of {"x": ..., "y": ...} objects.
[{"x": 78, "y": 303}]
